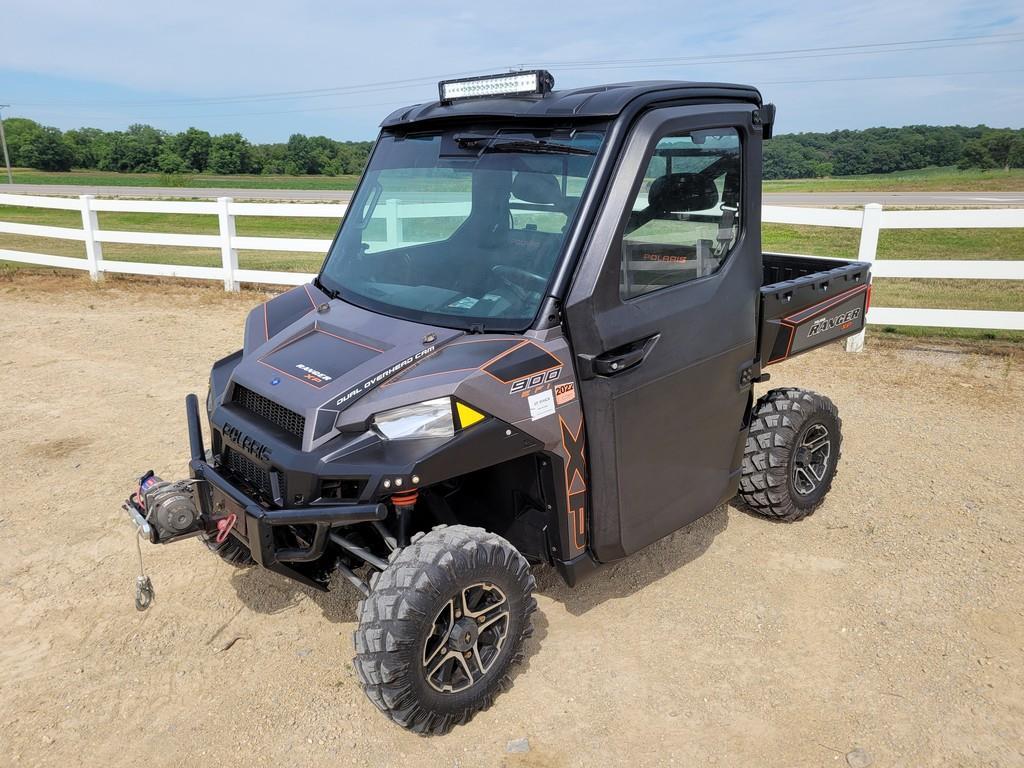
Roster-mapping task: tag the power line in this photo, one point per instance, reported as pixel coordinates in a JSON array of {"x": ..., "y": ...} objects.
[
  {"x": 584, "y": 65},
  {"x": 993, "y": 38},
  {"x": 343, "y": 90},
  {"x": 767, "y": 58},
  {"x": 395, "y": 105},
  {"x": 116, "y": 116},
  {"x": 889, "y": 77}
]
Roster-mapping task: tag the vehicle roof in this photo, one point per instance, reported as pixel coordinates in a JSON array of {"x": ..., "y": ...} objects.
[{"x": 600, "y": 101}]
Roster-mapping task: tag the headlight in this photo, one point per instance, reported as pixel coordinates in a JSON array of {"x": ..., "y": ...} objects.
[{"x": 431, "y": 418}]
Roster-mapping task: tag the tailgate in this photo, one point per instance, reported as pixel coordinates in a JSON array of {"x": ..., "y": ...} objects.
[{"x": 809, "y": 301}]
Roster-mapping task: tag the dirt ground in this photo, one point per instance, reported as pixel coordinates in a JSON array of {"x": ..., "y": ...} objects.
[{"x": 892, "y": 621}]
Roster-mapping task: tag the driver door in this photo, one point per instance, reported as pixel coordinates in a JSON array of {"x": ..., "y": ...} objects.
[{"x": 662, "y": 318}]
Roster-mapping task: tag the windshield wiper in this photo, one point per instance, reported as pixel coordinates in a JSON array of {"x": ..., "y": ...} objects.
[
  {"x": 534, "y": 146},
  {"x": 331, "y": 293}
]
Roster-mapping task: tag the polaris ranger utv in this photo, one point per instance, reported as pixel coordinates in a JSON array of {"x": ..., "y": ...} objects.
[{"x": 535, "y": 339}]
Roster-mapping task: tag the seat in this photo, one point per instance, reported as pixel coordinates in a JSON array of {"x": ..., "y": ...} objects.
[
  {"x": 538, "y": 188},
  {"x": 538, "y": 249},
  {"x": 675, "y": 193}
]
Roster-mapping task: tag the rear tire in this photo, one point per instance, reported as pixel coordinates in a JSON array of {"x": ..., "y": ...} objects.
[
  {"x": 792, "y": 453},
  {"x": 442, "y": 627},
  {"x": 231, "y": 550}
]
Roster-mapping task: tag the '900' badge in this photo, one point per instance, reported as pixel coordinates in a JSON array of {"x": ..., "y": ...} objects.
[{"x": 536, "y": 380}]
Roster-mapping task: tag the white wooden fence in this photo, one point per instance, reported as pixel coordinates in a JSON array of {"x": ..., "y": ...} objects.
[
  {"x": 869, "y": 221},
  {"x": 872, "y": 219}
]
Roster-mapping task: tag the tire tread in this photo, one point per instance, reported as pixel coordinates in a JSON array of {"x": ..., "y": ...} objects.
[
  {"x": 231, "y": 551},
  {"x": 776, "y": 421},
  {"x": 390, "y": 618}
]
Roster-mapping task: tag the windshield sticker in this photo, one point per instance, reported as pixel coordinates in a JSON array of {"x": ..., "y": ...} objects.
[
  {"x": 542, "y": 404},
  {"x": 466, "y": 302}
]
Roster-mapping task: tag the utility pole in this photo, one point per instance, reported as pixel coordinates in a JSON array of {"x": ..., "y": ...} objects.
[{"x": 3, "y": 140}]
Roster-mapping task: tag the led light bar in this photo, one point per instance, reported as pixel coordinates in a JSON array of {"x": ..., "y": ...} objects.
[{"x": 511, "y": 84}]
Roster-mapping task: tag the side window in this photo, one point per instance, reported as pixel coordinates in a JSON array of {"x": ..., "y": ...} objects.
[{"x": 686, "y": 216}]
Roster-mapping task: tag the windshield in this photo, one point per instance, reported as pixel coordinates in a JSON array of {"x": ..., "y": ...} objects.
[{"x": 461, "y": 228}]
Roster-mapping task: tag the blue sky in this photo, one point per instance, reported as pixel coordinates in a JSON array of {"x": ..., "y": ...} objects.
[{"x": 228, "y": 65}]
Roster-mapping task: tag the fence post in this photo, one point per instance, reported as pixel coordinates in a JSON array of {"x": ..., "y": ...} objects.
[
  {"x": 869, "y": 228},
  {"x": 228, "y": 255},
  {"x": 393, "y": 224},
  {"x": 93, "y": 249}
]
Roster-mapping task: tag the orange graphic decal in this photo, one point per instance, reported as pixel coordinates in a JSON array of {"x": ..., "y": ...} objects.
[{"x": 575, "y": 484}]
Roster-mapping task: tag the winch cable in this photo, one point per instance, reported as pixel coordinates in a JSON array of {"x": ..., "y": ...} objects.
[
  {"x": 144, "y": 592},
  {"x": 143, "y": 586}
]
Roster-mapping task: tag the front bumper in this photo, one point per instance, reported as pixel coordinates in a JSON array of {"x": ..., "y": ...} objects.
[{"x": 217, "y": 498}]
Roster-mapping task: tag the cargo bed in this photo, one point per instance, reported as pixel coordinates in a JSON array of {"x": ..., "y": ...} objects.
[{"x": 808, "y": 301}]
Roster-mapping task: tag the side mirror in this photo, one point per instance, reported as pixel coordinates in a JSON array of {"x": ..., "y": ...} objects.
[{"x": 767, "y": 120}]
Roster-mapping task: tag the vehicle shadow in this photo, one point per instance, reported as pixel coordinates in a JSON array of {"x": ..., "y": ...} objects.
[
  {"x": 531, "y": 646},
  {"x": 263, "y": 591},
  {"x": 638, "y": 571},
  {"x": 267, "y": 593}
]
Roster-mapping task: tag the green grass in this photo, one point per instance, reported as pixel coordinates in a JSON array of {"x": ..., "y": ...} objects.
[
  {"x": 985, "y": 244},
  {"x": 976, "y": 244},
  {"x": 199, "y": 224},
  {"x": 923, "y": 180},
  {"x": 202, "y": 180},
  {"x": 249, "y": 226},
  {"x": 1003, "y": 295}
]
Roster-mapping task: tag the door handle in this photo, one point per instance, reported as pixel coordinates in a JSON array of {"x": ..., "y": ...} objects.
[{"x": 618, "y": 360}]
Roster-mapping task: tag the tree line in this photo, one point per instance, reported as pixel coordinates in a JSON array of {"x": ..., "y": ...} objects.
[
  {"x": 143, "y": 148},
  {"x": 884, "y": 150}
]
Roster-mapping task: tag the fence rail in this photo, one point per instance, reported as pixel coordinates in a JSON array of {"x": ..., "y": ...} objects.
[{"x": 870, "y": 221}]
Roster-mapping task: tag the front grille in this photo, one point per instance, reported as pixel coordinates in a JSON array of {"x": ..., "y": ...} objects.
[
  {"x": 253, "y": 474},
  {"x": 286, "y": 419}
]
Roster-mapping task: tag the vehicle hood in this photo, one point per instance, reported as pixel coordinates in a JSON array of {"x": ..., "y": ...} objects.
[{"x": 317, "y": 356}]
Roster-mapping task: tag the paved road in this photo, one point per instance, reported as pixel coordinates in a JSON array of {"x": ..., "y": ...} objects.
[{"x": 986, "y": 199}]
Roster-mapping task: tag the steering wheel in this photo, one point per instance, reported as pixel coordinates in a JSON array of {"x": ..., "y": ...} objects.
[{"x": 521, "y": 282}]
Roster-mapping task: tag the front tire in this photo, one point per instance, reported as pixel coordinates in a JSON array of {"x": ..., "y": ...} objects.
[
  {"x": 791, "y": 455},
  {"x": 231, "y": 550},
  {"x": 442, "y": 627}
]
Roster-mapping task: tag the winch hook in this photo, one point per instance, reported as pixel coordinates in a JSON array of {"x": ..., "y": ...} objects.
[{"x": 143, "y": 592}]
